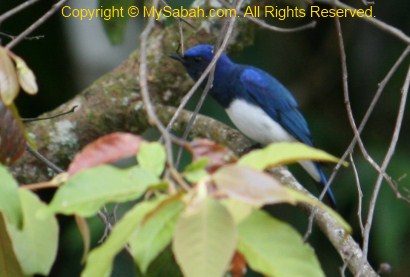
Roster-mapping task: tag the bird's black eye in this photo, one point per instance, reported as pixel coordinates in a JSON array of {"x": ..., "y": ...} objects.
[{"x": 197, "y": 59}]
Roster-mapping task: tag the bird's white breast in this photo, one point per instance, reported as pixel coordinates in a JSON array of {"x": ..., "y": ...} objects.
[{"x": 255, "y": 123}]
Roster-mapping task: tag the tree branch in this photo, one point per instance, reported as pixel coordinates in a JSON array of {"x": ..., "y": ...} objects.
[{"x": 344, "y": 244}]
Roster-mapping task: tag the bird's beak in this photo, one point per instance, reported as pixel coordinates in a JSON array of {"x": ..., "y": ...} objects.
[{"x": 177, "y": 57}]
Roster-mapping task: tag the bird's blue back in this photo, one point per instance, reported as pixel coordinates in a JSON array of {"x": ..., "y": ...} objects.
[{"x": 275, "y": 100}]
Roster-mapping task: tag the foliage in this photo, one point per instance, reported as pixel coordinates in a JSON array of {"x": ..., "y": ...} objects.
[
  {"x": 207, "y": 219},
  {"x": 14, "y": 74},
  {"x": 28, "y": 252}
]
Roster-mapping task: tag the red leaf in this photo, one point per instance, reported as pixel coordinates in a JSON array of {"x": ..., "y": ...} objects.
[
  {"x": 238, "y": 265},
  {"x": 12, "y": 140},
  {"x": 106, "y": 149},
  {"x": 251, "y": 186},
  {"x": 218, "y": 154}
]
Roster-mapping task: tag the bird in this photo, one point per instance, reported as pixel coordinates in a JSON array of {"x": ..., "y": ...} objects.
[{"x": 259, "y": 105}]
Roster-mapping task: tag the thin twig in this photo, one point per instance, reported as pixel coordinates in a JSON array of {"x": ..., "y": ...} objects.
[
  {"x": 346, "y": 95},
  {"x": 26, "y": 120},
  {"x": 16, "y": 9},
  {"x": 344, "y": 266},
  {"x": 367, "y": 3},
  {"x": 181, "y": 36},
  {"x": 143, "y": 80},
  {"x": 357, "y": 135},
  {"x": 41, "y": 185},
  {"x": 163, "y": 3},
  {"x": 359, "y": 193},
  {"x": 179, "y": 179},
  {"x": 40, "y": 157},
  {"x": 265, "y": 25},
  {"x": 346, "y": 87},
  {"x": 366, "y": 117},
  {"x": 35, "y": 25},
  {"x": 107, "y": 224},
  {"x": 386, "y": 161},
  {"x": 379, "y": 24},
  {"x": 114, "y": 212},
  {"x": 193, "y": 89},
  {"x": 152, "y": 116},
  {"x": 26, "y": 38}
]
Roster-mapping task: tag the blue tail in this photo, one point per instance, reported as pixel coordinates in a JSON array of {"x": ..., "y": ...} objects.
[{"x": 329, "y": 197}]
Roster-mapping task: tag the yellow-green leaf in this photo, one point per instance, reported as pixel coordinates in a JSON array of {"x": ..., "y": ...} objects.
[
  {"x": 9, "y": 198},
  {"x": 196, "y": 170},
  {"x": 25, "y": 76},
  {"x": 99, "y": 262},
  {"x": 9, "y": 264},
  {"x": 87, "y": 191},
  {"x": 155, "y": 233},
  {"x": 274, "y": 248},
  {"x": 36, "y": 243},
  {"x": 283, "y": 153},
  {"x": 205, "y": 239},
  {"x": 152, "y": 157}
]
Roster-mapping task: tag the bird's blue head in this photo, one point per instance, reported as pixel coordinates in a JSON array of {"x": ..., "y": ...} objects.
[{"x": 197, "y": 59}]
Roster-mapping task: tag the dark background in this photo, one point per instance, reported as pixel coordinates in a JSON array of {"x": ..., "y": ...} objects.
[{"x": 307, "y": 63}]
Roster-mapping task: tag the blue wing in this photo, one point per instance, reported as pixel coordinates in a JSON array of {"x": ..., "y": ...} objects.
[{"x": 268, "y": 93}]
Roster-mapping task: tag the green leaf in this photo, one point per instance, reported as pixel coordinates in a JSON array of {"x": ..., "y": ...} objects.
[
  {"x": 152, "y": 157},
  {"x": 9, "y": 198},
  {"x": 36, "y": 243},
  {"x": 196, "y": 170},
  {"x": 155, "y": 233},
  {"x": 9, "y": 265},
  {"x": 274, "y": 248},
  {"x": 205, "y": 239},
  {"x": 87, "y": 191},
  {"x": 115, "y": 26},
  {"x": 99, "y": 262},
  {"x": 282, "y": 153}
]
